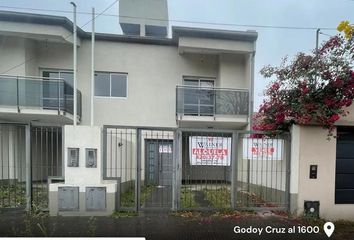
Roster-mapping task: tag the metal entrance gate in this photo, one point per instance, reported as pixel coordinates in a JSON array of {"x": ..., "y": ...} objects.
[
  {"x": 206, "y": 170},
  {"x": 12, "y": 166},
  {"x": 197, "y": 169},
  {"x": 263, "y": 171},
  {"x": 233, "y": 169},
  {"x": 141, "y": 160},
  {"x": 24, "y": 179}
]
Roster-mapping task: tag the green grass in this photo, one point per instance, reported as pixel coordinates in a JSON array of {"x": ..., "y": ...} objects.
[
  {"x": 12, "y": 196},
  {"x": 123, "y": 214},
  {"x": 127, "y": 198},
  {"x": 187, "y": 199},
  {"x": 219, "y": 198}
]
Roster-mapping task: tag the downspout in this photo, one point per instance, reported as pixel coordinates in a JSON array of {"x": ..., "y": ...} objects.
[
  {"x": 92, "y": 64},
  {"x": 75, "y": 63},
  {"x": 251, "y": 97}
]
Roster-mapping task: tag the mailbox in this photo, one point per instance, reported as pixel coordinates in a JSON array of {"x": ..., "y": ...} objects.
[
  {"x": 91, "y": 157},
  {"x": 73, "y": 157}
]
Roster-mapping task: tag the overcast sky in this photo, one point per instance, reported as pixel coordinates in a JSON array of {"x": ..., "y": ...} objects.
[{"x": 273, "y": 43}]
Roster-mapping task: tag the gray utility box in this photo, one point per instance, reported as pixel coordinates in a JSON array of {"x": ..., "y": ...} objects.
[
  {"x": 68, "y": 198},
  {"x": 95, "y": 198},
  {"x": 73, "y": 157},
  {"x": 91, "y": 157}
]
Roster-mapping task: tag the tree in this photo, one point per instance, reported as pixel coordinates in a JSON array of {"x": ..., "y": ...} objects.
[{"x": 313, "y": 88}]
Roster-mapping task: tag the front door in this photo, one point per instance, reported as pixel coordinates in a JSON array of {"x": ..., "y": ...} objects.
[
  {"x": 157, "y": 191},
  {"x": 158, "y": 169}
]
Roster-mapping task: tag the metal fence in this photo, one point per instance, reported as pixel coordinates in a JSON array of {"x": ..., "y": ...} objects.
[
  {"x": 197, "y": 169},
  {"x": 23, "y": 184},
  {"x": 206, "y": 170},
  {"x": 263, "y": 171},
  {"x": 141, "y": 160},
  {"x": 12, "y": 166},
  {"x": 203, "y": 101},
  {"x": 47, "y": 162}
]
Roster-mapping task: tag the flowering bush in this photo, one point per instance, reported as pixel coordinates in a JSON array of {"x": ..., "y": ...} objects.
[{"x": 314, "y": 88}]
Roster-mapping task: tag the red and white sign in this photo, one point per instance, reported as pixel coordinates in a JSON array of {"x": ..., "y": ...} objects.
[
  {"x": 209, "y": 151},
  {"x": 263, "y": 149}
]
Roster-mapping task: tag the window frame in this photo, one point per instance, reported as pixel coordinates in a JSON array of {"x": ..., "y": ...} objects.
[
  {"x": 199, "y": 79},
  {"x": 110, "y": 85},
  {"x": 199, "y": 105}
]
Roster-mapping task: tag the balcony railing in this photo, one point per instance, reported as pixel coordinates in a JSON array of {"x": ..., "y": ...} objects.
[
  {"x": 205, "y": 101},
  {"x": 37, "y": 93}
]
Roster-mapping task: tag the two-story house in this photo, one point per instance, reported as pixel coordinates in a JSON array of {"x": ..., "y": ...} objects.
[{"x": 195, "y": 79}]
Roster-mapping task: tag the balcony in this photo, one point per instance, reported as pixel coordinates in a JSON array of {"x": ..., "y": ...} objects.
[
  {"x": 212, "y": 107},
  {"x": 45, "y": 100}
]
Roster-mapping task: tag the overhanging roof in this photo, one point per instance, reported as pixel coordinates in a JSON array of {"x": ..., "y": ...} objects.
[{"x": 20, "y": 17}]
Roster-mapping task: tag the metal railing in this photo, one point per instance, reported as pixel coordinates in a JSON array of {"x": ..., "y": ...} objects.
[
  {"x": 25, "y": 92},
  {"x": 205, "y": 101}
]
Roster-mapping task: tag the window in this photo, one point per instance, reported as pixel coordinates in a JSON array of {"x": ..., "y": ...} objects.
[
  {"x": 198, "y": 99},
  {"x": 50, "y": 88},
  {"x": 344, "y": 193},
  {"x": 111, "y": 85}
]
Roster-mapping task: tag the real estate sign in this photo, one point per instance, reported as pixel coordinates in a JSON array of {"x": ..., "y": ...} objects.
[
  {"x": 210, "y": 151},
  {"x": 263, "y": 149}
]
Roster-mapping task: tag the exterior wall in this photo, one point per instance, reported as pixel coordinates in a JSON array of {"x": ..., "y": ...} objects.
[
  {"x": 312, "y": 147},
  {"x": 232, "y": 71},
  {"x": 153, "y": 73},
  {"x": 144, "y": 13},
  {"x": 83, "y": 137},
  {"x": 12, "y": 53},
  {"x": 214, "y": 45}
]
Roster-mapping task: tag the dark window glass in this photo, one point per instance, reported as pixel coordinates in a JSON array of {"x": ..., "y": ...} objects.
[
  {"x": 102, "y": 84},
  {"x": 118, "y": 85}
]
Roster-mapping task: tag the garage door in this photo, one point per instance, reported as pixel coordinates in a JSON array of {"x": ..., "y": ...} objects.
[{"x": 345, "y": 166}]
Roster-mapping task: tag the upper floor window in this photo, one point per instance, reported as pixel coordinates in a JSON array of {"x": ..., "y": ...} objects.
[
  {"x": 67, "y": 76},
  {"x": 111, "y": 84},
  {"x": 199, "y": 97}
]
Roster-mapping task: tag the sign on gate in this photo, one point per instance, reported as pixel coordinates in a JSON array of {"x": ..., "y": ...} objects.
[
  {"x": 263, "y": 149},
  {"x": 210, "y": 151}
]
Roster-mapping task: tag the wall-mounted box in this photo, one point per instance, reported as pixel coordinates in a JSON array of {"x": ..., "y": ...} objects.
[
  {"x": 73, "y": 157},
  {"x": 313, "y": 171},
  {"x": 95, "y": 198},
  {"x": 68, "y": 198},
  {"x": 91, "y": 157}
]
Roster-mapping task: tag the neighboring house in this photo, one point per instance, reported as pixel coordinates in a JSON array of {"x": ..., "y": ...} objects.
[{"x": 197, "y": 79}]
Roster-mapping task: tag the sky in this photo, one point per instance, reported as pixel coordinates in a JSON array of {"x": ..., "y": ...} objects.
[{"x": 273, "y": 44}]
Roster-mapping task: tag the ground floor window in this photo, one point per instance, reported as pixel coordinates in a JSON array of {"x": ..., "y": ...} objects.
[{"x": 344, "y": 193}]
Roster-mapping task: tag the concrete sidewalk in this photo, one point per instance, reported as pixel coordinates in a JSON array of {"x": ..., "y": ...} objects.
[{"x": 170, "y": 226}]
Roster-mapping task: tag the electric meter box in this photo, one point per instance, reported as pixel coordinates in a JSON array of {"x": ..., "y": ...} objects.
[
  {"x": 68, "y": 198},
  {"x": 73, "y": 157},
  {"x": 91, "y": 157}
]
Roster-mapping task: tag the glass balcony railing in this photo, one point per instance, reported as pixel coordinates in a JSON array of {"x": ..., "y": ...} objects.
[
  {"x": 37, "y": 93},
  {"x": 206, "y": 101}
]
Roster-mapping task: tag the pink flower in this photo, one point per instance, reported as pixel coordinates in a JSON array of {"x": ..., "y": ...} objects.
[
  {"x": 279, "y": 118},
  {"x": 334, "y": 118}
]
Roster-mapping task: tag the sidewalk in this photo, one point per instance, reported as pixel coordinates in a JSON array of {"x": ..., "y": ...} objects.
[{"x": 156, "y": 226}]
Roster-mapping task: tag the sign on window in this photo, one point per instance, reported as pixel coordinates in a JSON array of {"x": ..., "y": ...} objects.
[
  {"x": 209, "y": 151},
  {"x": 263, "y": 149},
  {"x": 165, "y": 149}
]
